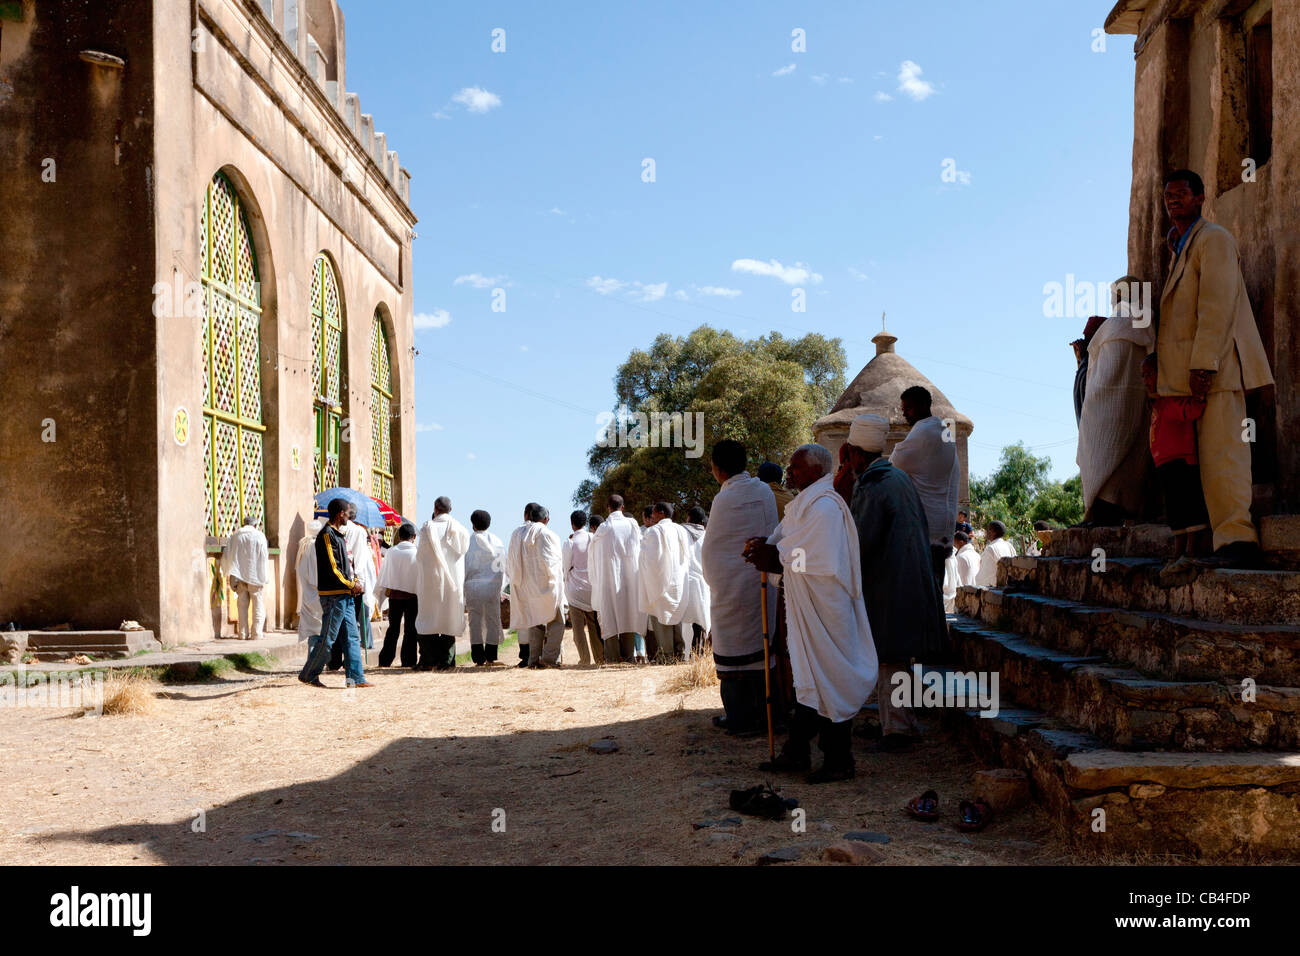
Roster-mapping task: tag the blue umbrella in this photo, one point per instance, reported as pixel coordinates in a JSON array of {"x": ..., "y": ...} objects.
[{"x": 368, "y": 514}]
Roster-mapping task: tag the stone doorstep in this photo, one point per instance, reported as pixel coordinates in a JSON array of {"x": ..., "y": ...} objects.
[
  {"x": 1177, "y": 648},
  {"x": 1122, "y": 706},
  {"x": 1215, "y": 807},
  {"x": 282, "y": 645},
  {"x": 1214, "y": 594},
  {"x": 60, "y": 645}
]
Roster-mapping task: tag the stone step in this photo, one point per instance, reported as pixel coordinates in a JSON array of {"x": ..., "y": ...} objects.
[
  {"x": 1210, "y": 594},
  {"x": 61, "y": 645},
  {"x": 1132, "y": 541},
  {"x": 1159, "y": 645},
  {"x": 1122, "y": 707},
  {"x": 1235, "y": 807}
]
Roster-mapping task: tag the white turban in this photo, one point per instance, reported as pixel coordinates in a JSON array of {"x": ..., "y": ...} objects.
[{"x": 868, "y": 432}]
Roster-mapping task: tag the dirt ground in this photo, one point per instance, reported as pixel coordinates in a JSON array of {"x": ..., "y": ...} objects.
[{"x": 474, "y": 766}]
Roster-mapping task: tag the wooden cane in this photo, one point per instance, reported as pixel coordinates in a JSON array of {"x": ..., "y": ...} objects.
[{"x": 767, "y": 674}]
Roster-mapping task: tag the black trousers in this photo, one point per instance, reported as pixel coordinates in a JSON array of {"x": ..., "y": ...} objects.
[
  {"x": 437, "y": 650},
  {"x": 744, "y": 698},
  {"x": 482, "y": 653},
  {"x": 835, "y": 740},
  {"x": 401, "y": 614}
]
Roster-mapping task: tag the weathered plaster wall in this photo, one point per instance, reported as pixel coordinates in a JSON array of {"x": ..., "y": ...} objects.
[{"x": 76, "y": 335}]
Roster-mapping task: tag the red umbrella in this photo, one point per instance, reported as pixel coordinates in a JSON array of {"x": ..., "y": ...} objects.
[{"x": 391, "y": 518}]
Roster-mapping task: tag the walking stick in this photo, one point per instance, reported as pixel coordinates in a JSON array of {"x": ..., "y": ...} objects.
[{"x": 767, "y": 674}]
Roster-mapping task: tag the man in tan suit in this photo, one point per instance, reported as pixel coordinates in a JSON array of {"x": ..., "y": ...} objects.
[{"x": 1208, "y": 346}]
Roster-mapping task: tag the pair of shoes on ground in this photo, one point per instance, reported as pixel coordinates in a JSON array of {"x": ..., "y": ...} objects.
[
  {"x": 762, "y": 801},
  {"x": 316, "y": 682},
  {"x": 972, "y": 815}
]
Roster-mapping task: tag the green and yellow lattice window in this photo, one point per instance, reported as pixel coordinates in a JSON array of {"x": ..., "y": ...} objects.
[
  {"x": 232, "y": 374},
  {"x": 327, "y": 370},
  {"x": 381, "y": 413}
]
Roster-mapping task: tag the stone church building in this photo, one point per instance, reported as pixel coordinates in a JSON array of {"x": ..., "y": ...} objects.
[{"x": 205, "y": 302}]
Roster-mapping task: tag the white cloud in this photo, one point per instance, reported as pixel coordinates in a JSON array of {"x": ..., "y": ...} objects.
[
  {"x": 437, "y": 319},
  {"x": 845, "y": 79},
  {"x": 470, "y": 456},
  {"x": 720, "y": 291},
  {"x": 476, "y": 99},
  {"x": 557, "y": 211},
  {"x": 910, "y": 82},
  {"x": 858, "y": 274},
  {"x": 882, "y": 97},
  {"x": 430, "y": 427},
  {"x": 680, "y": 295},
  {"x": 605, "y": 286},
  {"x": 480, "y": 281},
  {"x": 820, "y": 78},
  {"x": 650, "y": 293},
  {"x": 790, "y": 275},
  {"x": 441, "y": 115},
  {"x": 785, "y": 70}
]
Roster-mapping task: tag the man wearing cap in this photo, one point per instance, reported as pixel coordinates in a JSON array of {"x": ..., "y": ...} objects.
[
  {"x": 996, "y": 547},
  {"x": 904, "y": 603}
]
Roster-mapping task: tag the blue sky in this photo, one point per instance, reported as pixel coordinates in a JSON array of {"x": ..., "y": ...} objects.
[{"x": 527, "y": 172}]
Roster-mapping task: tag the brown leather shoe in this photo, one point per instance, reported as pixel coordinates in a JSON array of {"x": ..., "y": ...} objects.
[{"x": 364, "y": 683}]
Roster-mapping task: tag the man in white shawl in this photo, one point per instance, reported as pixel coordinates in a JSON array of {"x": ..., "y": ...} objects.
[
  {"x": 485, "y": 565},
  {"x": 535, "y": 564},
  {"x": 928, "y": 455},
  {"x": 615, "y": 558},
  {"x": 243, "y": 561},
  {"x": 310, "y": 616},
  {"x": 829, "y": 636},
  {"x": 441, "y": 617},
  {"x": 697, "y": 589},
  {"x": 996, "y": 547},
  {"x": 665, "y": 567},
  {"x": 399, "y": 582},
  {"x": 1113, "y": 452},
  {"x": 743, "y": 508},
  {"x": 577, "y": 592},
  {"x": 968, "y": 560}
]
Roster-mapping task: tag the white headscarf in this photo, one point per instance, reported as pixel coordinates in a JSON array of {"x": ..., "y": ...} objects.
[{"x": 869, "y": 432}]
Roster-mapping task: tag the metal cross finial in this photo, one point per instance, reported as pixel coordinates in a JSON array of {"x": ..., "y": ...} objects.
[{"x": 882, "y": 321}]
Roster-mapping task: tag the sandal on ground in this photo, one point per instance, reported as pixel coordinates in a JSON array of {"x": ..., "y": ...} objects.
[
  {"x": 925, "y": 807},
  {"x": 973, "y": 815}
]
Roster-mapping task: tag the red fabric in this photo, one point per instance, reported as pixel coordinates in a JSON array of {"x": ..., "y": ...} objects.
[{"x": 1173, "y": 428}]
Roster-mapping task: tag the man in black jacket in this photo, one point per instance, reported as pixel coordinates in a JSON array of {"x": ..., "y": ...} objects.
[{"x": 337, "y": 587}]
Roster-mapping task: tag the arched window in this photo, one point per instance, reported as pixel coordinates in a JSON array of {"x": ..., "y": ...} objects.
[
  {"x": 232, "y": 374},
  {"x": 327, "y": 368},
  {"x": 381, "y": 412}
]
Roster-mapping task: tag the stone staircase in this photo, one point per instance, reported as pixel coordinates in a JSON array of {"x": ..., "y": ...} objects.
[
  {"x": 1150, "y": 718},
  {"x": 62, "y": 645}
]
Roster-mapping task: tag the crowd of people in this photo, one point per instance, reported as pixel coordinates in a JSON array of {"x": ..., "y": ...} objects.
[{"x": 807, "y": 585}]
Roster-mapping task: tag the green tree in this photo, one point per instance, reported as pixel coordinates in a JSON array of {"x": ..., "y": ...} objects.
[
  {"x": 765, "y": 393},
  {"x": 1019, "y": 493}
]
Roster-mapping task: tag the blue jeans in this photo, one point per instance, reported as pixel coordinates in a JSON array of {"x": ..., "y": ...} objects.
[{"x": 339, "y": 623}]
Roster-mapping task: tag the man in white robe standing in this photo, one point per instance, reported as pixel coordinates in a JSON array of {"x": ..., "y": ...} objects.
[
  {"x": 310, "y": 617},
  {"x": 665, "y": 566},
  {"x": 244, "y": 563},
  {"x": 399, "y": 582},
  {"x": 743, "y": 508},
  {"x": 928, "y": 455},
  {"x": 1113, "y": 450},
  {"x": 615, "y": 594},
  {"x": 485, "y": 581},
  {"x": 441, "y": 618},
  {"x": 577, "y": 592},
  {"x": 535, "y": 564},
  {"x": 968, "y": 560},
  {"x": 996, "y": 547},
  {"x": 696, "y": 615},
  {"x": 831, "y": 651}
]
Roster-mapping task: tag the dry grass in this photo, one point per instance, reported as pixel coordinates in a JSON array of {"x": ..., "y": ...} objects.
[
  {"x": 129, "y": 693},
  {"x": 699, "y": 672}
]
